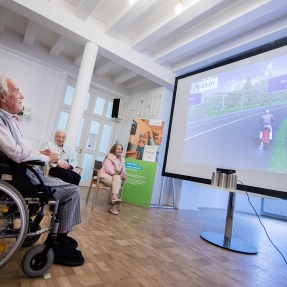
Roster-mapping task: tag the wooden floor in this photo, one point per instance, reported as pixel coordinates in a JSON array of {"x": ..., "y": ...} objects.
[{"x": 162, "y": 247}]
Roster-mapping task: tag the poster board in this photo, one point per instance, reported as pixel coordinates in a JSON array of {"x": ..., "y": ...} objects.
[{"x": 141, "y": 160}]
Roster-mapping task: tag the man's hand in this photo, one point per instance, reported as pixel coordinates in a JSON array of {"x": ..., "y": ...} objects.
[
  {"x": 54, "y": 157},
  {"x": 46, "y": 151}
]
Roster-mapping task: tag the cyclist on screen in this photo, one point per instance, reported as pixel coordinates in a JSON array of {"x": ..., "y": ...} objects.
[{"x": 267, "y": 120}]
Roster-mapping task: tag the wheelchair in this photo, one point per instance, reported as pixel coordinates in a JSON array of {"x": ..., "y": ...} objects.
[{"x": 22, "y": 206}]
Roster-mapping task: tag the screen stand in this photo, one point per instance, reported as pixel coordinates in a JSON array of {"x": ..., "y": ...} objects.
[
  {"x": 226, "y": 241},
  {"x": 171, "y": 189}
]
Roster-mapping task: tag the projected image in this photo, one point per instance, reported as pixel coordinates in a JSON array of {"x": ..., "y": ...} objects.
[{"x": 238, "y": 118}]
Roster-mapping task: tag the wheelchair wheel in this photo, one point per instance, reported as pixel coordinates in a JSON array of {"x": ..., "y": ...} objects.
[
  {"x": 35, "y": 263},
  {"x": 13, "y": 221}
]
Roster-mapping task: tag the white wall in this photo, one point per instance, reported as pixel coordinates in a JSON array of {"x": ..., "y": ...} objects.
[
  {"x": 41, "y": 87},
  {"x": 193, "y": 196}
]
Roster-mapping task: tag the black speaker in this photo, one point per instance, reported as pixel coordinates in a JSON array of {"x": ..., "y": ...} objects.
[{"x": 116, "y": 106}]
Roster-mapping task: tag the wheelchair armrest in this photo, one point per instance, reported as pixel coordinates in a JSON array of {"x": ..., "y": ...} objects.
[{"x": 35, "y": 162}]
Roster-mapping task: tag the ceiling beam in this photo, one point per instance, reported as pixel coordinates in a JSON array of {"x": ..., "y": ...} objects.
[
  {"x": 58, "y": 47},
  {"x": 55, "y": 16},
  {"x": 136, "y": 82},
  {"x": 127, "y": 16},
  {"x": 105, "y": 68},
  {"x": 123, "y": 77},
  {"x": 171, "y": 23},
  {"x": 77, "y": 60},
  {"x": 3, "y": 15},
  {"x": 31, "y": 33},
  {"x": 242, "y": 18},
  {"x": 237, "y": 45},
  {"x": 85, "y": 8}
]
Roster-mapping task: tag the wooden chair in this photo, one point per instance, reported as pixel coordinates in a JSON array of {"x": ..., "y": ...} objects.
[
  {"x": 97, "y": 166},
  {"x": 99, "y": 185}
]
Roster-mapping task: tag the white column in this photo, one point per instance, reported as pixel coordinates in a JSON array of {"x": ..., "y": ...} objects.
[{"x": 81, "y": 90}]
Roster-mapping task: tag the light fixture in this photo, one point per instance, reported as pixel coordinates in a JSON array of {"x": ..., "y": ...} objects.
[
  {"x": 131, "y": 2},
  {"x": 178, "y": 7}
]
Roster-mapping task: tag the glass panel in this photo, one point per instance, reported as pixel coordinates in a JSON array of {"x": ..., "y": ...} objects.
[
  {"x": 99, "y": 107},
  {"x": 87, "y": 165},
  {"x": 63, "y": 121},
  {"x": 105, "y": 140},
  {"x": 93, "y": 136},
  {"x": 274, "y": 207},
  {"x": 80, "y": 133},
  {"x": 69, "y": 95},
  {"x": 109, "y": 110},
  {"x": 87, "y": 101}
]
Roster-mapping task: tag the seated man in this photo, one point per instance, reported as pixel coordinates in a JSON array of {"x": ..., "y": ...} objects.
[
  {"x": 63, "y": 169},
  {"x": 13, "y": 146}
]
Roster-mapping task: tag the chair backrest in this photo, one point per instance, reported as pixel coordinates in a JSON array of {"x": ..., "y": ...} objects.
[{"x": 97, "y": 166}]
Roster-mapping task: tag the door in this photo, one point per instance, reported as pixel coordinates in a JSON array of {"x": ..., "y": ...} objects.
[
  {"x": 94, "y": 142},
  {"x": 96, "y": 130}
]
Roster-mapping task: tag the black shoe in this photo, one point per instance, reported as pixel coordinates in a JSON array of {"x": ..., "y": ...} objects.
[
  {"x": 67, "y": 255},
  {"x": 66, "y": 240},
  {"x": 69, "y": 240}
]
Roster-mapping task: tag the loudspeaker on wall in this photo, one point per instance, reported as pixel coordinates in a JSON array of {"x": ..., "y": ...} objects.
[{"x": 116, "y": 107}]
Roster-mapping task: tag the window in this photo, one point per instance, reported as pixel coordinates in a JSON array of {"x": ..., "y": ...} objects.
[
  {"x": 106, "y": 137},
  {"x": 63, "y": 120},
  {"x": 69, "y": 95},
  {"x": 99, "y": 107}
]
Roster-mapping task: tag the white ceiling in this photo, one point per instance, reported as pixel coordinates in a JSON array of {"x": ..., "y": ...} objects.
[{"x": 140, "y": 46}]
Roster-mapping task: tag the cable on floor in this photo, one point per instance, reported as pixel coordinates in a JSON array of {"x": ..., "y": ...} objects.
[{"x": 261, "y": 222}]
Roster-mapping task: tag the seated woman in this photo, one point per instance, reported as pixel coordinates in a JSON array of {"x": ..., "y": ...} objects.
[
  {"x": 112, "y": 173},
  {"x": 67, "y": 162}
]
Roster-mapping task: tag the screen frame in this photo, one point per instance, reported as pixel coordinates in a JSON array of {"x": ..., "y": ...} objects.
[{"x": 245, "y": 55}]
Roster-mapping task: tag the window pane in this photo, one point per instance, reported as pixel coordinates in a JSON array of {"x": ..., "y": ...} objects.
[
  {"x": 80, "y": 133},
  {"x": 109, "y": 110},
  {"x": 94, "y": 129},
  {"x": 87, "y": 166},
  {"x": 93, "y": 136},
  {"x": 69, "y": 95},
  {"x": 99, "y": 107},
  {"x": 105, "y": 140},
  {"x": 63, "y": 121}
]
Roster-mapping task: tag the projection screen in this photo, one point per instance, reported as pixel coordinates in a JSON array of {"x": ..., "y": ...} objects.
[{"x": 218, "y": 120}]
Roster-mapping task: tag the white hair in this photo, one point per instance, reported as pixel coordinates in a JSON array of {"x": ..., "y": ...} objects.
[
  {"x": 60, "y": 131},
  {"x": 3, "y": 84}
]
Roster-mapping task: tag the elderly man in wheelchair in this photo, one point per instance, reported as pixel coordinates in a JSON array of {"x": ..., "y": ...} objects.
[{"x": 24, "y": 192}]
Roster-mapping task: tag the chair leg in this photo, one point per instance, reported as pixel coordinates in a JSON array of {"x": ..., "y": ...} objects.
[
  {"x": 89, "y": 191},
  {"x": 121, "y": 197}
]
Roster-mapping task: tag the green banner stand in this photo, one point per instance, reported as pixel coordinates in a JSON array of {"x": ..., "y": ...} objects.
[{"x": 140, "y": 180}]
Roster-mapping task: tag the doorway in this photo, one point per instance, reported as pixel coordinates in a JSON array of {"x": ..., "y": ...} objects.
[
  {"x": 94, "y": 141},
  {"x": 96, "y": 131}
]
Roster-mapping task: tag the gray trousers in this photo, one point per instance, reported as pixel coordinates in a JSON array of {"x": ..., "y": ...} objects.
[{"x": 69, "y": 201}]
